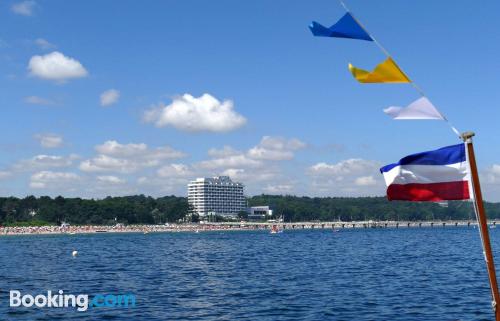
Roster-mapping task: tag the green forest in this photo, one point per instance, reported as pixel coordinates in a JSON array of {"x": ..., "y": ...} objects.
[{"x": 142, "y": 209}]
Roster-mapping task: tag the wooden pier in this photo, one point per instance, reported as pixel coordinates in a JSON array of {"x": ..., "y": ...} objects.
[{"x": 353, "y": 225}]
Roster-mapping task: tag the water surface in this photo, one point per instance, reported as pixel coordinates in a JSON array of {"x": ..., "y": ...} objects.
[{"x": 366, "y": 274}]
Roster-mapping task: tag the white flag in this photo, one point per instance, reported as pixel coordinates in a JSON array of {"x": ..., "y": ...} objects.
[{"x": 421, "y": 108}]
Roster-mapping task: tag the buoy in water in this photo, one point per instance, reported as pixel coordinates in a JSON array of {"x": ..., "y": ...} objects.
[{"x": 74, "y": 253}]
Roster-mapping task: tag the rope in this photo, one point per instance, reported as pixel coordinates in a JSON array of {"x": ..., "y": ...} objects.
[{"x": 388, "y": 55}]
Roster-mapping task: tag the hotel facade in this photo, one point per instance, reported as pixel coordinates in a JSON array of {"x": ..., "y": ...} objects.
[{"x": 216, "y": 195}]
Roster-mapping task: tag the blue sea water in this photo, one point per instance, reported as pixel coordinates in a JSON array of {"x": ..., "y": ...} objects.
[{"x": 365, "y": 274}]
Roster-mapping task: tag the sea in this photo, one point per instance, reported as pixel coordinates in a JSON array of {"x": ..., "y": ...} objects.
[{"x": 352, "y": 274}]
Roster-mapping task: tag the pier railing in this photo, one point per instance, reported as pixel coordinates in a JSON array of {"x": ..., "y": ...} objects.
[{"x": 353, "y": 224}]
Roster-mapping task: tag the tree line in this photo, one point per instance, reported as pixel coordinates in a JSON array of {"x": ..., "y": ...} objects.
[{"x": 142, "y": 209}]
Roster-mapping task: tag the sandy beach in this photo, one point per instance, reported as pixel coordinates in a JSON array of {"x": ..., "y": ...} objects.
[{"x": 88, "y": 229}]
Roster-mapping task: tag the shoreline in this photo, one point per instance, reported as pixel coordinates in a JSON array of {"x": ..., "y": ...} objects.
[
  {"x": 229, "y": 226},
  {"x": 100, "y": 229}
]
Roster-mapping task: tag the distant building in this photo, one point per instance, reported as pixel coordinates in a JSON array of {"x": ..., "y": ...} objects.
[
  {"x": 216, "y": 195},
  {"x": 257, "y": 213}
]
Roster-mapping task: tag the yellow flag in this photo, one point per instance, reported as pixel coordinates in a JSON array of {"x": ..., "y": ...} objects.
[{"x": 386, "y": 72}]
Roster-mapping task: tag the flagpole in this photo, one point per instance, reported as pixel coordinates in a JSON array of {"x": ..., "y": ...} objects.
[{"x": 483, "y": 224}]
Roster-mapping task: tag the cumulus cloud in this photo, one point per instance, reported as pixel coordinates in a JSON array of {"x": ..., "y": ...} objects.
[
  {"x": 224, "y": 152},
  {"x": 113, "y": 148},
  {"x": 35, "y": 100},
  {"x": 279, "y": 189},
  {"x": 161, "y": 186},
  {"x": 49, "y": 179},
  {"x": 113, "y": 180},
  {"x": 346, "y": 167},
  {"x": 141, "y": 150},
  {"x": 104, "y": 163},
  {"x": 24, "y": 8},
  {"x": 269, "y": 149},
  {"x": 191, "y": 114},
  {"x": 490, "y": 179},
  {"x": 44, "y": 44},
  {"x": 127, "y": 158},
  {"x": 351, "y": 177},
  {"x": 365, "y": 181},
  {"x": 49, "y": 140},
  {"x": 56, "y": 66},
  {"x": 109, "y": 97},
  {"x": 257, "y": 166},
  {"x": 5, "y": 174},
  {"x": 491, "y": 175},
  {"x": 276, "y": 148},
  {"x": 232, "y": 161},
  {"x": 175, "y": 170},
  {"x": 39, "y": 162}
]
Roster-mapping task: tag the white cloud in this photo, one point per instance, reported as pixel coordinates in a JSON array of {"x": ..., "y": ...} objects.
[
  {"x": 39, "y": 162},
  {"x": 104, "y": 163},
  {"x": 114, "y": 148},
  {"x": 44, "y": 44},
  {"x": 109, "y": 97},
  {"x": 279, "y": 189},
  {"x": 52, "y": 180},
  {"x": 191, "y": 114},
  {"x": 49, "y": 140},
  {"x": 251, "y": 175},
  {"x": 127, "y": 158},
  {"x": 5, "y": 174},
  {"x": 233, "y": 161},
  {"x": 346, "y": 167},
  {"x": 25, "y": 8},
  {"x": 276, "y": 148},
  {"x": 269, "y": 149},
  {"x": 351, "y": 177},
  {"x": 113, "y": 180},
  {"x": 365, "y": 181},
  {"x": 491, "y": 175},
  {"x": 490, "y": 179},
  {"x": 162, "y": 186},
  {"x": 56, "y": 66},
  {"x": 35, "y": 100},
  {"x": 224, "y": 152},
  {"x": 141, "y": 150},
  {"x": 175, "y": 170}
]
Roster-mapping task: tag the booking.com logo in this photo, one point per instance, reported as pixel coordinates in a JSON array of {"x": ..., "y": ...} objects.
[{"x": 82, "y": 302}]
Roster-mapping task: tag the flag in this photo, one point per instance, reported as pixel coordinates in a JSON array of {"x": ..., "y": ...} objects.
[
  {"x": 442, "y": 174},
  {"x": 421, "y": 108},
  {"x": 386, "y": 72},
  {"x": 346, "y": 27}
]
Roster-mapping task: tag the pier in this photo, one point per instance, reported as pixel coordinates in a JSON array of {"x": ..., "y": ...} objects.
[{"x": 351, "y": 225}]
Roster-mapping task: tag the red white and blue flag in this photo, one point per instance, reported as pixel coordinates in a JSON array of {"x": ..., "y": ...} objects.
[{"x": 438, "y": 175}]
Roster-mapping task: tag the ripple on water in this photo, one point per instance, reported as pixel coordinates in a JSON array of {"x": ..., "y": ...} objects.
[{"x": 383, "y": 274}]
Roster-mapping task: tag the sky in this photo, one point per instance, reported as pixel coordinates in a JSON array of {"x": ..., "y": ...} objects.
[{"x": 126, "y": 97}]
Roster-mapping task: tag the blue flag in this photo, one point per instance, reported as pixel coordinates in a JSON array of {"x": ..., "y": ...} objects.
[{"x": 346, "y": 27}]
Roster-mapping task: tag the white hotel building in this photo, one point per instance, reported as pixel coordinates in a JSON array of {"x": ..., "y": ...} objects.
[{"x": 217, "y": 195}]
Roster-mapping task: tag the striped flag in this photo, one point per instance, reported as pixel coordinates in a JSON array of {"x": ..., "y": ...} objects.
[{"x": 438, "y": 175}]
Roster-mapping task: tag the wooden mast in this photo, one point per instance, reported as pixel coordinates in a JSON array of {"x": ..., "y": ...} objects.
[{"x": 483, "y": 224}]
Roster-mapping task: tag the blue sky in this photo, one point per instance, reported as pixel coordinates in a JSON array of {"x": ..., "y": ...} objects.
[{"x": 292, "y": 118}]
